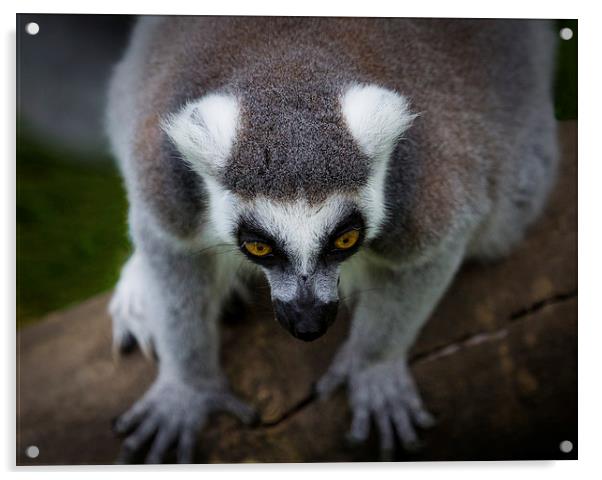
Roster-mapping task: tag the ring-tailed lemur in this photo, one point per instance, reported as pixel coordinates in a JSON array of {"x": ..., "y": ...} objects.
[{"x": 378, "y": 152}]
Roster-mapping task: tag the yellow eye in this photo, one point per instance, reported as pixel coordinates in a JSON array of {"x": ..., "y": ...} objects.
[
  {"x": 258, "y": 249},
  {"x": 347, "y": 240}
]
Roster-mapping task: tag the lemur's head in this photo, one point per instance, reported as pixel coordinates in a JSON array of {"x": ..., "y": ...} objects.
[{"x": 297, "y": 184}]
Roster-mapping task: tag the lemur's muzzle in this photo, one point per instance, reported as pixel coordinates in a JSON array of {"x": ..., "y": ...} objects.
[{"x": 307, "y": 319}]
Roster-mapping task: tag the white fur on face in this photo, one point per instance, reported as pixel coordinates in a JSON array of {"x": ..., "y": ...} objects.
[
  {"x": 204, "y": 131},
  {"x": 284, "y": 285},
  {"x": 376, "y": 118},
  {"x": 300, "y": 227}
]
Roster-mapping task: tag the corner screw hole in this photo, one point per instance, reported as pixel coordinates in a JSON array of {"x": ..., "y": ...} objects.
[
  {"x": 32, "y": 451},
  {"x": 32, "y": 28},
  {"x": 566, "y": 33},
  {"x": 566, "y": 446}
]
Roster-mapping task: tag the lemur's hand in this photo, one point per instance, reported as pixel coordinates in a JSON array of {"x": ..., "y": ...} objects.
[
  {"x": 384, "y": 391},
  {"x": 172, "y": 413}
]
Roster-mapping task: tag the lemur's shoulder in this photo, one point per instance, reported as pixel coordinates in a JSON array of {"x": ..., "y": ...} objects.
[{"x": 482, "y": 91}]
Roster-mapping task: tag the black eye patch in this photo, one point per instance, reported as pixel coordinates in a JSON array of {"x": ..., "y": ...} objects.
[
  {"x": 250, "y": 232},
  {"x": 354, "y": 221}
]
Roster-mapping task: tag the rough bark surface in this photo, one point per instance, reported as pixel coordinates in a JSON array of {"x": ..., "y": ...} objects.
[{"x": 497, "y": 364}]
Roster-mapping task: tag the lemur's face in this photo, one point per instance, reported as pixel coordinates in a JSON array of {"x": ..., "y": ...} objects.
[
  {"x": 300, "y": 248},
  {"x": 302, "y": 193}
]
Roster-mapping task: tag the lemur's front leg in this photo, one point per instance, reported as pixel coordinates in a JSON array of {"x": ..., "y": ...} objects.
[
  {"x": 392, "y": 307},
  {"x": 183, "y": 295}
]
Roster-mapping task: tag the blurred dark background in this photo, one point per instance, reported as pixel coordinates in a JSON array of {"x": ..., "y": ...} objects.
[{"x": 71, "y": 207}]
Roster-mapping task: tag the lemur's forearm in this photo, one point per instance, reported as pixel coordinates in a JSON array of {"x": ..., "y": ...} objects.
[
  {"x": 184, "y": 302},
  {"x": 395, "y": 303}
]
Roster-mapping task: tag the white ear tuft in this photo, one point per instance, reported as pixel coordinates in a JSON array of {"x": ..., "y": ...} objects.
[
  {"x": 204, "y": 131},
  {"x": 376, "y": 117}
]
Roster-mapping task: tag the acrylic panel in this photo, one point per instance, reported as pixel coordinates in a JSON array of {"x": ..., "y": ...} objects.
[{"x": 295, "y": 239}]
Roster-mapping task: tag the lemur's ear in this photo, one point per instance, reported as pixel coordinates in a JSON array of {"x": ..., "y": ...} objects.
[
  {"x": 376, "y": 117},
  {"x": 204, "y": 131}
]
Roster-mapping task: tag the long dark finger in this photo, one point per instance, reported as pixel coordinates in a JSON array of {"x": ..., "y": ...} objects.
[
  {"x": 135, "y": 442},
  {"x": 360, "y": 425},
  {"x": 128, "y": 421},
  {"x": 385, "y": 428},
  {"x": 404, "y": 428},
  {"x": 165, "y": 438},
  {"x": 187, "y": 445}
]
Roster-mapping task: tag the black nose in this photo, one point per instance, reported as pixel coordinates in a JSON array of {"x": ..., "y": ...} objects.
[{"x": 306, "y": 321}]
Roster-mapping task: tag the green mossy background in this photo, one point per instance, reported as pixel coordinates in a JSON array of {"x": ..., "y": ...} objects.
[
  {"x": 71, "y": 215},
  {"x": 71, "y": 235}
]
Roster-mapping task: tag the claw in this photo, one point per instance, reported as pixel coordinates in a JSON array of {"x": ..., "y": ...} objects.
[
  {"x": 360, "y": 426},
  {"x": 425, "y": 420},
  {"x": 386, "y": 431},
  {"x": 187, "y": 446}
]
